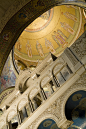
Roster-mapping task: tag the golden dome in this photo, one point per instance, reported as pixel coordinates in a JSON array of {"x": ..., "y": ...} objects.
[{"x": 52, "y": 32}]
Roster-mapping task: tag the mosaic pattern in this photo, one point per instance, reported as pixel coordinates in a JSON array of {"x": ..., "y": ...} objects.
[
  {"x": 77, "y": 109},
  {"x": 45, "y": 17},
  {"x": 60, "y": 33},
  {"x": 8, "y": 77},
  {"x": 15, "y": 25}
]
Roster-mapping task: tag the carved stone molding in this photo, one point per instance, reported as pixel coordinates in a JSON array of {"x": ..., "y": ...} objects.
[
  {"x": 42, "y": 117},
  {"x": 56, "y": 110},
  {"x": 79, "y": 47},
  {"x": 80, "y": 84}
]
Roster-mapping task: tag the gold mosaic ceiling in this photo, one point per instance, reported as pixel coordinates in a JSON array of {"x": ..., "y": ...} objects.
[{"x": 52, "y": 32}]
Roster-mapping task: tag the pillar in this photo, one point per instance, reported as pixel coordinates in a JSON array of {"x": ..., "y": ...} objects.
[
  {"x": 31, "y": 106},
  {"x": 42, "y": 93}
]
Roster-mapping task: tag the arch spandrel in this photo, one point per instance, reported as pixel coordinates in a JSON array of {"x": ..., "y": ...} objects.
[{"x": 14, "y": 26}]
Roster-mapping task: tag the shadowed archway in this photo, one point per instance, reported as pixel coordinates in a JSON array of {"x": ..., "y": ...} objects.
[{"x": 23, "y": 18}]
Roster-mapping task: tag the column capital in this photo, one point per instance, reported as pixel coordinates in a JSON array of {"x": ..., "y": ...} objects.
[{"x": 64, "y": 124}]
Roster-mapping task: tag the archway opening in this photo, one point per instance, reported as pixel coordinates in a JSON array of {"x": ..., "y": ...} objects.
[
  {"x": 48, "y": 124},
  {"x": 75, "y": 109}
]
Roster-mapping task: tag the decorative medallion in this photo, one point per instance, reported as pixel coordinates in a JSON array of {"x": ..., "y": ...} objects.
[
  {"x": 47, "y": 123},
  {"x": 76, "y": 97}
]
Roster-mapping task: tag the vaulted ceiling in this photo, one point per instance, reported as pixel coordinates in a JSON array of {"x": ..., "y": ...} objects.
[
  {"x": 12, "y": 24},
  {"x": 52, "y": 31}
]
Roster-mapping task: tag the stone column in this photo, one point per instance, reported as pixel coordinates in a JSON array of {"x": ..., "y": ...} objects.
[
  {"x": 42, "y": 93},
  {"x": 9, "y": 125},
  {"x": 55, "y": 81},
  {"x": 64, "y": 124},
  {"x": 28, "y": 106},
  {"x": 51, "y": 87},
  {"x": 19, "y": 118},
  {"x": 31, "y": 106},
  {"x": 6, "y": 127},
  {"x": 34, "y": 104},
  {"x": 24, "y": 111}
]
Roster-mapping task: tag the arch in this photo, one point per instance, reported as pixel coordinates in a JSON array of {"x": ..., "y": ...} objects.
[
  {"x": 44, "y": 80},
  {"x": 57, "y": 68},
  {"x": 22, "y": 80},
  {"x": 47, "y": 116},
  {"x": 11, "y": 114},
  {"x": 22, "y": 103},
  {"x": 17, "y": 23},
  {"x": 67, "y": 94}
]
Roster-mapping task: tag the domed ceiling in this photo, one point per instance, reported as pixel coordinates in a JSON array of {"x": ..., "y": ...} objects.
[{"x": 53, "y": 31}]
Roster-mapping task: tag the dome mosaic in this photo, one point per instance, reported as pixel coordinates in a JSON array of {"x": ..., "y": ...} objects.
[{"x": 53, "y": 31}]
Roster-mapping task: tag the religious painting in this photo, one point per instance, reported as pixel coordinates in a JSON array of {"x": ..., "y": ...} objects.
[
  {"x": 29, "y": 50},
  {"x": 67, "y": 27},
  {"x": 70, "y": 16},
  {"x": 18, "y": 45},
  {"x": 49, "y": 46},
  {"x": 39, "y": 49},
  {"x": 60, "y": 38}
]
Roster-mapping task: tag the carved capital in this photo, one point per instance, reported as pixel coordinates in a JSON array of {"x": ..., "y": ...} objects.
[{"x": 65, "y": 124}]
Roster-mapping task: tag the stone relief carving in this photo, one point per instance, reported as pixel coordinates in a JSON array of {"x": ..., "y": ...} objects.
[
  {"x": 80, "y": 84},
  {"x": 57, "y": 108},
  {"x": 66, "y": 124},
  {"x": 71, "y": 57},
  {"x": 42, "y": 117},
  {"x": 79, "y": 47}
]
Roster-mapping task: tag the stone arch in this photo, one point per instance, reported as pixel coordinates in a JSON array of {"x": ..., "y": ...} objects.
[
  {"x": 47, "y": 116},
  {"x": 15, "y": 22},
  {"x": 21, "y": 103},
  {"x": 11, "y": 114},
  {"x": 22, "y": 80},
  {"x": 57, "y": 67},
  {"x": 44, "y": 80}
]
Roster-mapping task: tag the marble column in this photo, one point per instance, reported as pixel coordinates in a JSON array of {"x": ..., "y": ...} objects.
[
  {"x": 9, "y": 125},
  {"x": 19, "y": 118},
  {"x": 55, "y": 81},
  {"x": 34, "y": 104},
  {"x": 42, "y": 93},
  {"x": 31, "y": 106},
  {"x": 24, "y": 111}
]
